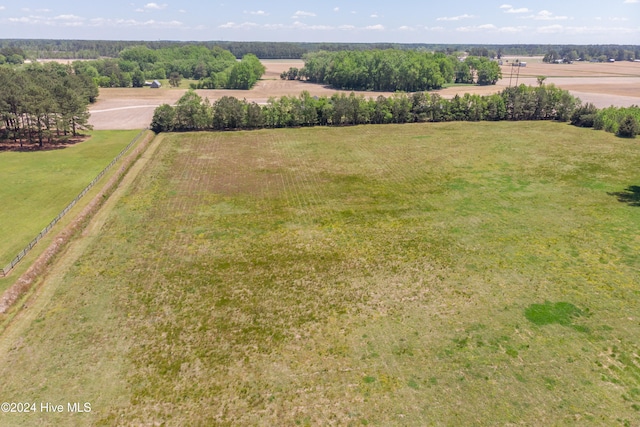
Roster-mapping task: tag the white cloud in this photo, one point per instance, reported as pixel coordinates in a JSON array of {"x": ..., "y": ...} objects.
[
  {"x": 301, "y": 14},
  {"x": 336, "y": 9},
  {"x": 510, "y": 9},
  {"x": 455, "y": 18},
  {"x": 545, "y": 15},
  {"x": 58, "y": 21},
  {"x": 298, "y": 25},
  {"x": 155, "y": 6},
  {"x": 588, "y": 30},
  {"x": 631, "y": 1},
  {"x": 68, "y": 18},
  {"x": 117, "y": 23},
  {"x": 512, "y": 29},
  {"x": 373, "y": 15},
  {"x": 550, "y": 29},
  {"x": 242, "y": 26},
  {"x": 491, "y": 28},
  {"x": 406, "y": 28},
  {"x": 256, "y": 12},
  {"x": 302, "y": 26},
  {"x": 519, "y": 10},
  {"x": 2, "y": 8}
]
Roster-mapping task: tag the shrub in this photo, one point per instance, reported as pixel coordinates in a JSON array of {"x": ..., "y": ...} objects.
[
  {"x": 628, "y": 127},
  {"x": 584, "y": 116}
]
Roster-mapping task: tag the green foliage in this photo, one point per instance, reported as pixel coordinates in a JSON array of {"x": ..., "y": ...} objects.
[
  {"x": 518, "y": 103},
  {"x": 292, "y": 74},
  {"x": 92, "y": 49},
  {"x": 174, "y": 79},
  {"x": 191, "y": 113},
  {"x": 44, "y": 102},
  {"x": 561, "y": 313},
  {"x": 389, "y": 70},
  {"x": 138, "y": 79},
  {"x": 629, "y": 127},
  {"x": 610, "y": 119},
  {"x": 229, "y": 113},
  {"x": 545, "y": 102},
  {"x": 584, "y": 115},
  {"x": 210, "y": 66},
  {"x": 163, "y": 119},
  {"x": 244, "y": 74}
]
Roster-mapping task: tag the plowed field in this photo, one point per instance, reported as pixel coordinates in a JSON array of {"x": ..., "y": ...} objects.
[{"x": 603, "y": 84}]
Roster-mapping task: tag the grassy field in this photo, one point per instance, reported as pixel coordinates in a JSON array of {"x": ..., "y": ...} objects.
[
  {"x": 36, "y": 186},
  {"x": 438, "y": 274}
]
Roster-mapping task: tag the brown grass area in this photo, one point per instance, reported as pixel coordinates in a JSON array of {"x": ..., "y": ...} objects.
[{"x": 603, "y": 84}]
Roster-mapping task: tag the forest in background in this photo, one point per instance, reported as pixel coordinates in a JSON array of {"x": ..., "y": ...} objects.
[{"x": 94, "y": 49}]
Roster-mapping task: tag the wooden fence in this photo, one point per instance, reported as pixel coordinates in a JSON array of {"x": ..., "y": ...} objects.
[{"x": 5, "y": 271}]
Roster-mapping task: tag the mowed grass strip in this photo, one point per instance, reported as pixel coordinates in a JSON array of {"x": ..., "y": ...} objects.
[
  {"x": 36, "y": 186},
  {"x": 433, "y": 274}
]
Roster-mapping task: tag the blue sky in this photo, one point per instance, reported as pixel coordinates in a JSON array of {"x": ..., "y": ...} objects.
[{"x": 461, "y": 21}]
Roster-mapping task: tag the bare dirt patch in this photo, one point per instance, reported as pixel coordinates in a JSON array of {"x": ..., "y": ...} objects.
[{"x": 603, "y": 84}]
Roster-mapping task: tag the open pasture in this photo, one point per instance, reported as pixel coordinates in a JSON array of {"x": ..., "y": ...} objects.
[
  {"x": 603, "y": 84},
  {"x": 438, "y": 274},
  {"x": 36, "y": 186}
]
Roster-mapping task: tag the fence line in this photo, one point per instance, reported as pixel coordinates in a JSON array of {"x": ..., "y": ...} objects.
[{"x": 5, "y": 271}]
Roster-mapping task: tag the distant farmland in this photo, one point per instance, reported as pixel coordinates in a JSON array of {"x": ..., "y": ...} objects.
[{"x": 427, "y": 274}]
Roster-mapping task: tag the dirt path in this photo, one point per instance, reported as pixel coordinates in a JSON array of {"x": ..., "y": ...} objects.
[{"x": 603, "y": 85}]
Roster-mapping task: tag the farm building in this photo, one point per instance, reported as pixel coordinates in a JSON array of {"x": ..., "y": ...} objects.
[{"x": 155, "y": 84}]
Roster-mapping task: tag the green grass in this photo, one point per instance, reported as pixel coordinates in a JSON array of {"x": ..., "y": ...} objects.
[
  {"x": 36, "y": 186},
  {"x": 437, "y": 274},
  {"x": 184, "y": 84}
]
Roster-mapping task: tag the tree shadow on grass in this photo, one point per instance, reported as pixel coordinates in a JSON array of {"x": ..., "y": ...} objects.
[
  {"x": 55, "y": 144},
  {"x": 630, "y": 195}
]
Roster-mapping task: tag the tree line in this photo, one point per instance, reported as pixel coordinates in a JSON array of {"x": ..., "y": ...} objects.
[
  {"x": 623, "y": 121},
  {"x": 591, "y": 53},
  {"x": 212, "y": 68},
  {"x": 43, "y": 102},
  {"x": 94, "y": 49},
  {"x": 12, "y": 55},
  {"x": 191, "y": 112},
  {"x": 393, "y": 70}
]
